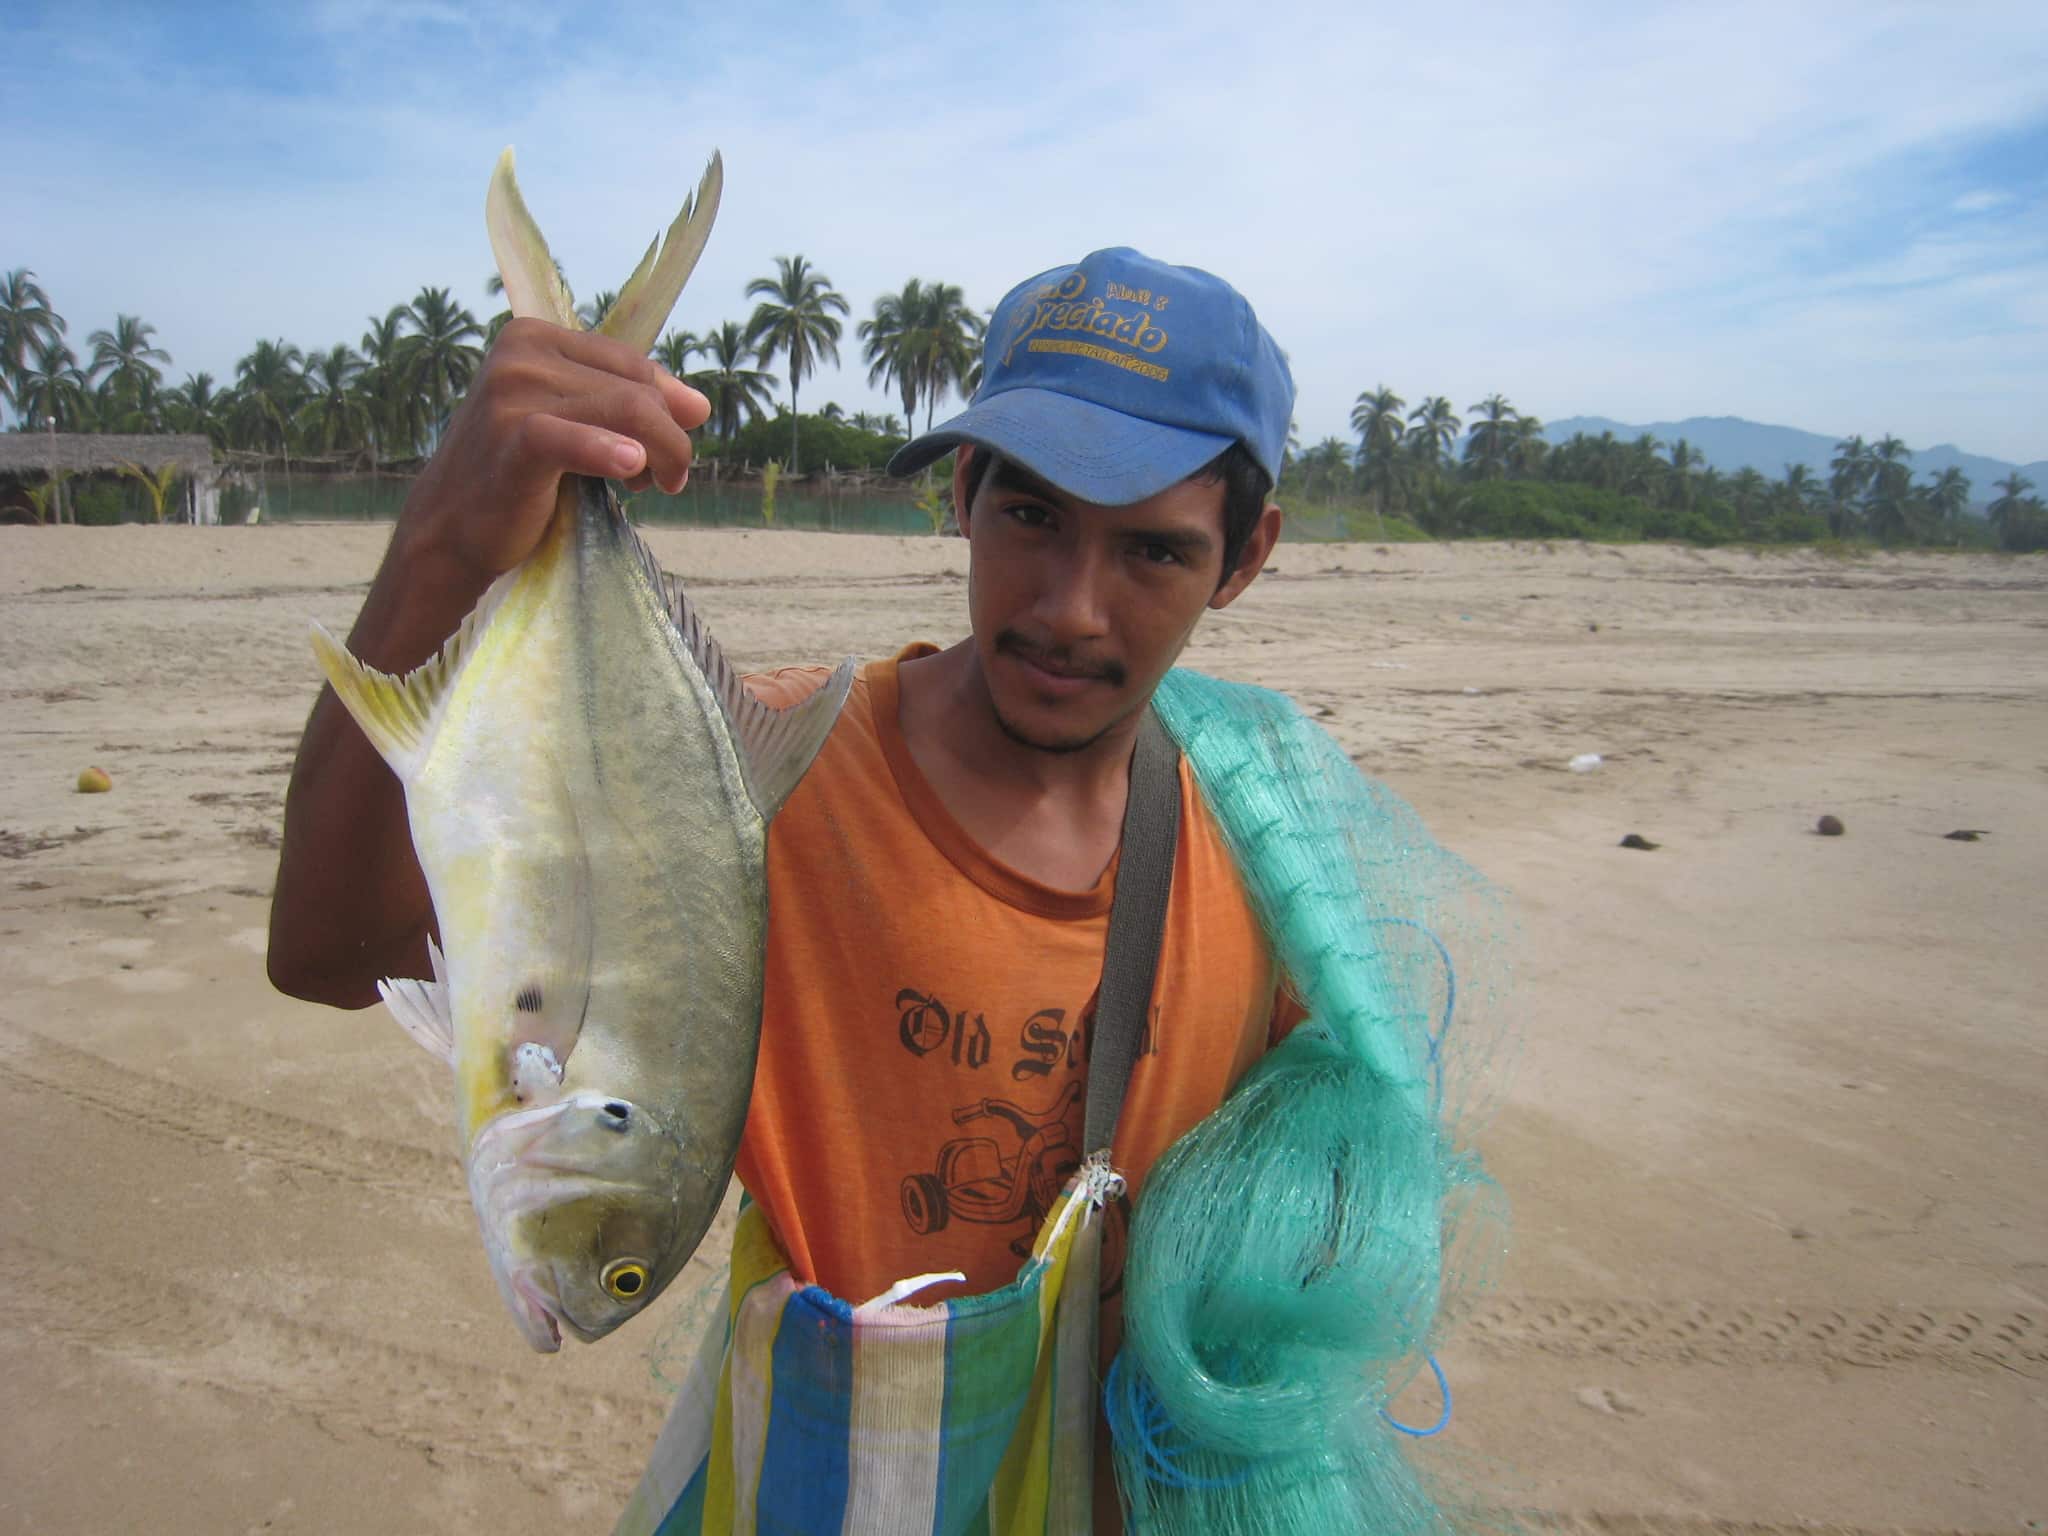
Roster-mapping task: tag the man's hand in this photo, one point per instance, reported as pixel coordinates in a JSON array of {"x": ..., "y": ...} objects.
[
  {"x": 547, "y": 402},
  {"x": 351, "y": 904}
]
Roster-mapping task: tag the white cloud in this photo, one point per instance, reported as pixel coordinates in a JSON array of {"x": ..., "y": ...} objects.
[{"x": 1982, "y": 201}]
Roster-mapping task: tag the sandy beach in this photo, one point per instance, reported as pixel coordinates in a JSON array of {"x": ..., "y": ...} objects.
[{"x": 1774, "y": 1137}]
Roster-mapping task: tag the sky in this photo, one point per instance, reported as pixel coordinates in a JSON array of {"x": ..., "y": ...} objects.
[{"x": 1820, "y": 215}]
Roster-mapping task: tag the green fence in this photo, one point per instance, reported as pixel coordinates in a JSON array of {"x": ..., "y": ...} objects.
[{"x": 378, "y": 498}]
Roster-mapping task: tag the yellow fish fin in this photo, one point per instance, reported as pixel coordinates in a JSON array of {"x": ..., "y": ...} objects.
[
  {"x": 533, "y": 284},
  {"x": 398, "y": 714},
  {"x": 643, "y": 305}
]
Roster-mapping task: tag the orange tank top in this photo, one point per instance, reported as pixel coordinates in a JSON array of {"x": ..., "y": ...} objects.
[{"x": 924, "y": 1046}]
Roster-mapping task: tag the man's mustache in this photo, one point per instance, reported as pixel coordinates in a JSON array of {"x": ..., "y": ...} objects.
[{"x": 1060, "y": 660}]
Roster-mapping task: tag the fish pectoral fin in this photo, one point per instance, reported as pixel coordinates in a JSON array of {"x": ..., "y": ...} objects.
[
  {"x": 776, "y": 746},
  {"x": 422, "y": 1007},
  {"x": 398, "y": 713},
  {"x": 533, "y": 284},
  {"x": 643, "y": 304}
]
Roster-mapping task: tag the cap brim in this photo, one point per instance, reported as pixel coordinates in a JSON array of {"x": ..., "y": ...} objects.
[{"x": 1087, "y": 450}]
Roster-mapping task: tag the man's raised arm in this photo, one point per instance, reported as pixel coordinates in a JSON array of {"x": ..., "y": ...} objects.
[{"x": 351, "y": 905}]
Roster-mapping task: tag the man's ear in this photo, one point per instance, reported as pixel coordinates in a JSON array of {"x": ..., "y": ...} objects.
[
  {"x": 961, "y": 459},
  {"x": 1252, "y": 559}
]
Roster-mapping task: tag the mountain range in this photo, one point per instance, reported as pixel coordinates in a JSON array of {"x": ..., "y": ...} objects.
[{"x": 1729, "y": 443}]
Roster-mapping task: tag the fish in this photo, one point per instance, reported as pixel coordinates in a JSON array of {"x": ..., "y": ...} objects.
[{"x": 588, "y": 786}]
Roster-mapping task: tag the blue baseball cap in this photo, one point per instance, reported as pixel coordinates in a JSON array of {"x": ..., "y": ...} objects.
[{"x": 1119, "y": 376}]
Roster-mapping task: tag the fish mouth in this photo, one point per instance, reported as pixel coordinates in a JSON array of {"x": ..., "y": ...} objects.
[{"x": 535, "y": 1308}]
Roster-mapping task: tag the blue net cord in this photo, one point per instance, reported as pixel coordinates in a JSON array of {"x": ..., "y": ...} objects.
[
  {"x": 1443, "y": 1419},
  {"x": 1138, "y": 1421}
]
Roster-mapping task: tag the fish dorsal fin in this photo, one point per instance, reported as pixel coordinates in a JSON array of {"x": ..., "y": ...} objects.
[
  {"x": 422, "y": 1007},
  {"x": 399, "y": 714},
  {"x": 533, "y": 286},
  {"x": 775, "y": 745},
  {"x": 643, "y": 305}
]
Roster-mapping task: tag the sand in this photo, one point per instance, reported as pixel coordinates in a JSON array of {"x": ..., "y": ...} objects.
[{"x": 1774, "y": 1140}]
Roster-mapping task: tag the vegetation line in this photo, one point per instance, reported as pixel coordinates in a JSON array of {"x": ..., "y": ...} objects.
[{"x": 1420, "y": 473}]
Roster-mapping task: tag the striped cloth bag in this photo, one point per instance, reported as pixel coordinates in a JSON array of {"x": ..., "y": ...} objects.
[{"x": 804, "y": 1415}]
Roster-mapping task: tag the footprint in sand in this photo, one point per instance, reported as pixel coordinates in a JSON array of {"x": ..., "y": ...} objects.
[{"x": 1607, "y": 1400}]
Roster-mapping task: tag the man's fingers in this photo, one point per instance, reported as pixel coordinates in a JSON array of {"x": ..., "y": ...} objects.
[
  {"x": 558, "y": 445},
  {"x": 604, "y": 355},
  {"x": 618, "y": 433},
  {"x": 588, "y": 348},
  {"x": 689, "y": 406},
  {"x": 535, "y": 364}
]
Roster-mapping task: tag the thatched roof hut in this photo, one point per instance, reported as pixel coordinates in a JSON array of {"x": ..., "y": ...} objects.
[
  {"x": 33, "y": 455},
  {"x": 29, "y": 459}
]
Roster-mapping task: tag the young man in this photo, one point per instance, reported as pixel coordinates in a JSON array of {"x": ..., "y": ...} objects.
[{"x": 940, "y": 882}]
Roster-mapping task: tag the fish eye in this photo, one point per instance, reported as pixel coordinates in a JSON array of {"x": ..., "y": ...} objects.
[{"x": 624, "y": 1279}]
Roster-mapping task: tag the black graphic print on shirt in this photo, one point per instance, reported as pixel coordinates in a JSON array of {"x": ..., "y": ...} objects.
[{"x": 1013, "y": 1147}]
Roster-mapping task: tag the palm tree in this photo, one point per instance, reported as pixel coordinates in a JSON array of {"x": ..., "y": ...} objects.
[
  {"x": 26, "y": 323},
  {"x": 923, "y": 341},
  {"x": 1324, "y": 468},
  {"x": 1526, "y": 446},
  {"x": 53, "y": 388},
  {"x": 127, "y": 358},
  {"x": 397, "y": 416},
  {"x": 889, "y": 344},
  {"x": 952, "y": 355},
  {"x": 268, "y": 388},
  {"x": 1849, "y": 475},
  {"x": 196, "y": 406},
  {"x": 1947, "y": 497},
  {"x": 795, "y": 318},
  {"x": 1681, "y": 484},
  {"x": 1642, "y": 472},
  {"x": 1889, "y": 503},
  {"x": 1433, "y": 428},
  {"x": 1376, "y": 418},
  {"x": 675, "y": 350},
  {"x": 2010, "y": 509},
  {"x": 1751, "y": 494},
  {"x": 335, "y": 416},
  {"x": 156, "y": 484},
  {"x": 441, "y": 355},
  {"x": 1486, "y": 450},
  {"x": 738, "y": 394},
  {"x": 593, "y": 313},
  {"x": 1800, "y": 485}
]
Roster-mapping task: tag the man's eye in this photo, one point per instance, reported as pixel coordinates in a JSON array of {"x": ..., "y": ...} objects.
[
  {"x": 1160, "y": 554},
  {"x": 1029, "y": 513}
]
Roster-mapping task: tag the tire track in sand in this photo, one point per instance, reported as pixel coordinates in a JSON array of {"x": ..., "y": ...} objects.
[
  {"x": 1618, "y": 1523},
  {"x": 1732, "y": 1333},
  {"x": 1707, "y": 1332},
  {"x": 548, "y": 1434},
  {"x": 190, "y": 1115}
]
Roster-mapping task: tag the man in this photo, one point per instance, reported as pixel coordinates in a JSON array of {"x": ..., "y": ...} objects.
[{"x": 940, "y": 882}]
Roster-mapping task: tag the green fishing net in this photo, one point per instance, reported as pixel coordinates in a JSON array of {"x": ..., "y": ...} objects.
[{"x": 1294, "y": 1258}]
